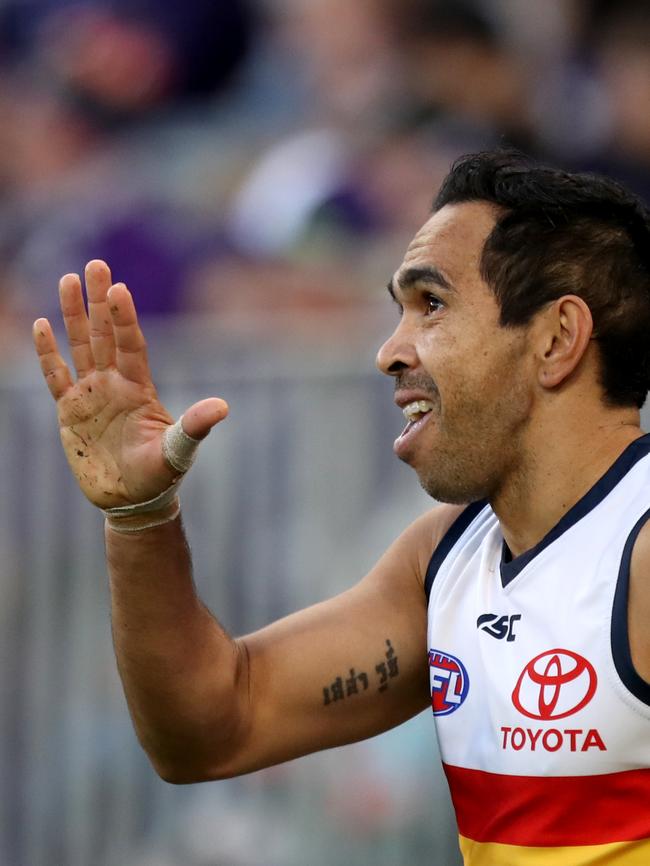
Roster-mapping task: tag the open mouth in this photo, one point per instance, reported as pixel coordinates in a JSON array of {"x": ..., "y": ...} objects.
[
  {"x": 416, "y": 410},
  {"x": 416, "y": 414}
]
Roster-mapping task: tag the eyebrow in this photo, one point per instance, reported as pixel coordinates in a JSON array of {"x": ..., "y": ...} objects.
[{"x": 409, "y": 279}]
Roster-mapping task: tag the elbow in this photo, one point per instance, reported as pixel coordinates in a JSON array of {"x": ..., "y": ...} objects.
[
  {"x": 177, "y": 775},
  {"x": 187, "y": 772}
]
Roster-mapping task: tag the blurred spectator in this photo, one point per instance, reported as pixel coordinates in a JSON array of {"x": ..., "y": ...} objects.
[
  {"x": 120, "y": 57},
  {"x": 345, "y": 57},
  {"x": 458, "y": 66},
  {"x": 622, "y": 38},
  {"x": 83, "y": 81}
]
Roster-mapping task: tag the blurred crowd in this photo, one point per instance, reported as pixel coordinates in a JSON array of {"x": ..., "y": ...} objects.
[{"x": 244, "y": 158}]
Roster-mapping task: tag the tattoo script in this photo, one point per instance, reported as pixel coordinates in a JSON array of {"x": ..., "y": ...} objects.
[{"x": 346, "y": 686}]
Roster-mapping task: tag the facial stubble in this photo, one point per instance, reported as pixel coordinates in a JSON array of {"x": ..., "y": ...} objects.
[{"x": 478, "y": 442}]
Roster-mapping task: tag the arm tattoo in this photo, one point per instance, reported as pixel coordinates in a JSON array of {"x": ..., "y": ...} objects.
[{"x": 356, "y": 683}]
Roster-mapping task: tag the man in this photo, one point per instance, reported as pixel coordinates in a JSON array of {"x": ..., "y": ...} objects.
[{"x": 520, "y": 361}]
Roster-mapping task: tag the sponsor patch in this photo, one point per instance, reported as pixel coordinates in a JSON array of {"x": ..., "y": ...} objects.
[
  {"x": 551, "y": 739},
  {"x": 555, "y": 684}
]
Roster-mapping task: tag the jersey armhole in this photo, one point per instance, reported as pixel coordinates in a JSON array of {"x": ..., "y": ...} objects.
[
  {"x": 620, "y": 639},
  {"x": 447, "y": 542}
]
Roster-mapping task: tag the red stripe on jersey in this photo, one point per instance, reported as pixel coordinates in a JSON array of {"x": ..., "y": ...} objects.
[{"x": 551, "y": 810}]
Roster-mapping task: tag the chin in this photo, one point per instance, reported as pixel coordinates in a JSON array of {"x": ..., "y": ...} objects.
[
  {"x": 453, "y": 489},
  {"x": 446, "y": 495}
]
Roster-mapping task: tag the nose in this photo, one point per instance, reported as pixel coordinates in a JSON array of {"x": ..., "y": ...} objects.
[{"x": 398, "y": 353}]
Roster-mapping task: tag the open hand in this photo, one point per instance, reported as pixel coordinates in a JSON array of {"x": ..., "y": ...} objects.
[{"x": 111, "y": 420}]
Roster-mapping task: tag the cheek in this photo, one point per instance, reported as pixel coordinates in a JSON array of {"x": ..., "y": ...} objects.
[
  {"x": 440, "y": 353},
  {"x": 471, "y": 366},
  {"x": 507, "y": 391},
  {"x": 484, "y": 385}
]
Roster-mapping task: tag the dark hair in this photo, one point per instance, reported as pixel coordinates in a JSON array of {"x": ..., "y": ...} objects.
[{"x": 565, "y": 233}]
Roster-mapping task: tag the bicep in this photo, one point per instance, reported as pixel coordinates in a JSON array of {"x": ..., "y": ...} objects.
[{"x": 340, "y": 671}]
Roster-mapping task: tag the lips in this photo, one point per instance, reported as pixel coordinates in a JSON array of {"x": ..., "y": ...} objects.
[
  {"x": 417, "y": 403},
  {"x": 416, "y": 423}
]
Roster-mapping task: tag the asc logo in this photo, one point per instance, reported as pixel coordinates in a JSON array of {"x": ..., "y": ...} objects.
[
  {"x": 449, "y": 682},
  {"x": 499, "y": 627},
  {"x": 555, "y": 684}
]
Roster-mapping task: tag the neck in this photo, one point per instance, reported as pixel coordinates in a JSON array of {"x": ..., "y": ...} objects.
[{"x": 563, "y": 462}]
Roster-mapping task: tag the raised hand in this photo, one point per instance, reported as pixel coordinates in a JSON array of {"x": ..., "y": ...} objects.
[{"x": 111, "y": 420}]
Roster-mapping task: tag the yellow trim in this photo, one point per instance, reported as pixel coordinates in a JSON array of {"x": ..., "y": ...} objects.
[{"x": 613, "y": 854}]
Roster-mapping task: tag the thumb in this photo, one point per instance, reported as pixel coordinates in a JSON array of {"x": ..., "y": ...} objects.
[{"x": 201, "y": 417}]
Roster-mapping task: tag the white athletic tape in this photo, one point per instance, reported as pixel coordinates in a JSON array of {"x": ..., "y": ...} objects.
[
  {"x": 179, "y": 449},
  {"x": 142, "y": 522},
  {"x": 156, "y": 504}
]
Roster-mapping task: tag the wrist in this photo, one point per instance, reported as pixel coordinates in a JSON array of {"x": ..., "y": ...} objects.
[{"x": 140, "y": 521}]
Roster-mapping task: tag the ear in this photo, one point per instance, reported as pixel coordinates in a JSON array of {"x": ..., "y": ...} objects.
[{"x": 563, "y": 332}]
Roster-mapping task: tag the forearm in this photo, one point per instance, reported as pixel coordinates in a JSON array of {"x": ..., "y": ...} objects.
[{"x": 184, "y": 677}]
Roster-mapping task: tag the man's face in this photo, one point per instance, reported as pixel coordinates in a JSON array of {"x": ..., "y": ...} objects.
[{"x": 465, "y": 380}]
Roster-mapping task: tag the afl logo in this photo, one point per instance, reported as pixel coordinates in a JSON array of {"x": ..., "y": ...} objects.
[
  {"x": 449, "y": 682},
  {"x": 555, "y": 684}
]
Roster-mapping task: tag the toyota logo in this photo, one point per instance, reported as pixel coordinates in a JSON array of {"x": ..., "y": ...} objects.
[{"x": 555, "y": 684}]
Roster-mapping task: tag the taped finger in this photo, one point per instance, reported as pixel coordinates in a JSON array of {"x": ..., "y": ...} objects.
[{"x": 178, "y": 448}]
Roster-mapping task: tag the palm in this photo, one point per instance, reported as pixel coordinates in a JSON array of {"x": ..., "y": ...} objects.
[
  {"x": 111, "y": 430},
  {"x": 111, "y": 421}
]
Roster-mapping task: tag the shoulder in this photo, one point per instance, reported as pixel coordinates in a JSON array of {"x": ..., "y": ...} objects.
[
  {"x": 639, "y": 603},
  {"x": 641, "y": 552},
  {"x": 421, "y": 539}
]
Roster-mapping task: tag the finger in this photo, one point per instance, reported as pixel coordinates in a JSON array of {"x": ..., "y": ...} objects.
[
  {"x": 200, "y": 418},
  {"x": 75, "y": 320},
  {"x": 131, "y": 348},
  {"x": 56, "y": 372},
  {"x": 102, "y": 341}
]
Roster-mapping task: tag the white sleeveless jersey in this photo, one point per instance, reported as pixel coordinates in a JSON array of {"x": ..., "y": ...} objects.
[{"x": 543, "y": 723}]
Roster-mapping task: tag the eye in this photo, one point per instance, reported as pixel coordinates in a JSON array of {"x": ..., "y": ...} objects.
[{"x": 432, "y": 304}]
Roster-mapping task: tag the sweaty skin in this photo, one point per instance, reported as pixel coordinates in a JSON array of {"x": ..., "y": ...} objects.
[{"x": 207, "y": 706}]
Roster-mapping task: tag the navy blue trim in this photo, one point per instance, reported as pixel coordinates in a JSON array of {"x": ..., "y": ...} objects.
[
  {"x": 511, "y": 566},
  {"x": 450, "y": 538},
  {"x": 619, "y": 634}
]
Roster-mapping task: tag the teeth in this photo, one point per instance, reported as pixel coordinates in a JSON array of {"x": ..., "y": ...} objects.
[{"x": 417, "y": 408}]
